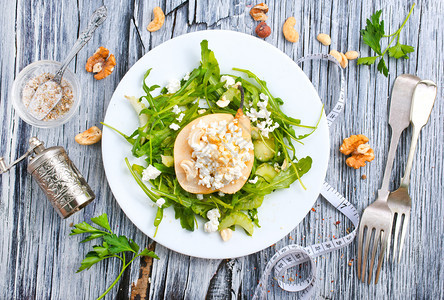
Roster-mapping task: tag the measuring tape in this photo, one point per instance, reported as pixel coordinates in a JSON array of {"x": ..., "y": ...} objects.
[{"x": 294, "y": 255}]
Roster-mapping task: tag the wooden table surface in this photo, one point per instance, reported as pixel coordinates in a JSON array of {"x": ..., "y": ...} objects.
[{"x": 38, "y": 258}]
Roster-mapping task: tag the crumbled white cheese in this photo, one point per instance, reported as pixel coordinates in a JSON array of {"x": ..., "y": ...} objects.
[
  {"x": 213, "y": 214},
  {"x": 160, "y": 202},
  {"x": 180, "y": 117},
  {"x": 220, "y": 153},
  {"x": 150, "y": 172},
  {"x": 213, "y": 224},
  {"x": 176, "y": 110},
  {"x": 201, "y": 111},
  {"x": 229, "y": 81},
  {"x": 173, "y": 86},
  {"x": 187, "y": 76},
  {"x": 254, "y": 180},
  {"x": 174, "y": 126},
  {"x": 263, "y": 97},
  {"x": 199, "y": 196},
  {"x": 262, "y": 118},
  {"x": 221, "y": 194}
]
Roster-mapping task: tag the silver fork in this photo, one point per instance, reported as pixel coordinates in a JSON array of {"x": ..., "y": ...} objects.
[
  {"x": 399, "y": 201},
  {"x": 377, "y": 217}
]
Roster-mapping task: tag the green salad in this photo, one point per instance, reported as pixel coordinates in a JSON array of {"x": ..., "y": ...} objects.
[{"x": 206, "y": 91}]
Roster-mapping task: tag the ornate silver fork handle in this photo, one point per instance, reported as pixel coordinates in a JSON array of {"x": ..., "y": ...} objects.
[{"x": 97, "y": 18}]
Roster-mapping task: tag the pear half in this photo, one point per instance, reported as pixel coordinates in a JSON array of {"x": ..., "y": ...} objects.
[{"x": 183, "y": 151}]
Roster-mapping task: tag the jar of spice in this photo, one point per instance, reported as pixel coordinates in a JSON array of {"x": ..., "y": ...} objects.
[{"x": 27, "y": 82}]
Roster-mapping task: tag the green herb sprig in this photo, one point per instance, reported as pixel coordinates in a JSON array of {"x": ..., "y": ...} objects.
[
  {"x": 112, "y": 246},
  {"x": 372, "y": 35}
]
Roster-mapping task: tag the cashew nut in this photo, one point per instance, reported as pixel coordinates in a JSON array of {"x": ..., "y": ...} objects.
[
  {"x": 157, "y": 22},
  {"x": 195, "y": 136},
  {"x": 226, "y": 234},
  {"x": 289, "y": 31},
  {"x": 89, "y": 137},
  {"x": 336, "y": 54},
  {"x": 189, "y": 169},
  {"x": 351, "y": 55},
  {"x": 344, "y": 61},
  {"x": 324, "y": 39}
]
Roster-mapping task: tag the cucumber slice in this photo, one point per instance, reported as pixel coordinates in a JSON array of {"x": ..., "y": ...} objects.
[
  {"x": 267, "y": 171},
  {"x": 231, "y": 93},
  {"x": 167, "y": 160},
  {"x": 255, "y": 133},
  {"x": 237, "y": 218},
  {"x": 264, "y": 151}
]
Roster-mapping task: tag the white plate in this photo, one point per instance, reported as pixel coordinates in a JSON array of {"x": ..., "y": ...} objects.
[{"x": 281, "y": 211}]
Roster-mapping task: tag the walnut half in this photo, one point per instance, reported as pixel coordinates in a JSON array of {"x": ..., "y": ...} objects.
[
  {"x": 100, "y": 63},
  {"x": 359, "y": 150}
]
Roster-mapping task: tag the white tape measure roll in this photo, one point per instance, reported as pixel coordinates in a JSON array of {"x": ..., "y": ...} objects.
[{"x": 294, "y": 255}]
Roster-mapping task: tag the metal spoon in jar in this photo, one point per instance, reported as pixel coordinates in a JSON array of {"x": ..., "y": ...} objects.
[{"x": 49, "y": 93}]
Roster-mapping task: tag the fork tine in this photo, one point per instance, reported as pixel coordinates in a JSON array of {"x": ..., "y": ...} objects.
[
  {"x": 384, "y": 237},
  {"x": 374, "y": 248},
  {"x": 360, "y": 241},
  {"x": 367, "y": 244},
  {"x": 397, "y": 226},
  {"x": 405, "y": 224}
]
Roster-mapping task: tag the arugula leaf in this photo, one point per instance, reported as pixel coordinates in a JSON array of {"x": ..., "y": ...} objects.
[
  {"x": 284, "y": 178},
  {"x": 112, "y": 246},
  {"x": 372, "y": 35}
]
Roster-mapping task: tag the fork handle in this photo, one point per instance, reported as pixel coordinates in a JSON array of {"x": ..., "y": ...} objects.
[
  {"x": 405, "y": 180},
  {"x": 383, "y": 192}
]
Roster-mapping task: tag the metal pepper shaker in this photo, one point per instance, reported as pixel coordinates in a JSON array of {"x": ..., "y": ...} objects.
[{"x": 57, "y": 176}]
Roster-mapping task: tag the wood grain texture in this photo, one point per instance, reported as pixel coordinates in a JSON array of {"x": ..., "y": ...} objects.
[{"x": 38, "y": 258}]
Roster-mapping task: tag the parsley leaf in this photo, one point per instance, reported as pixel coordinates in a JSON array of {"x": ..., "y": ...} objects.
[
  {"x": 146, "y": 252},
  {"x": 102, "y": 221},
  {"x": 373, "y": 32},
  {"x": 400, "y": 51},
  {"x": 112, "y": 246},
  {"x": 367, "y": 60},
  {"x": 372, "y": 35},
  {"x": 382, "y": 68},
  {"x": 117, "y": 244}
]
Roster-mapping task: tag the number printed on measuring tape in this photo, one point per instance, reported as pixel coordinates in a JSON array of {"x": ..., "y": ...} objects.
[{"x": 294, "y": 255}]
